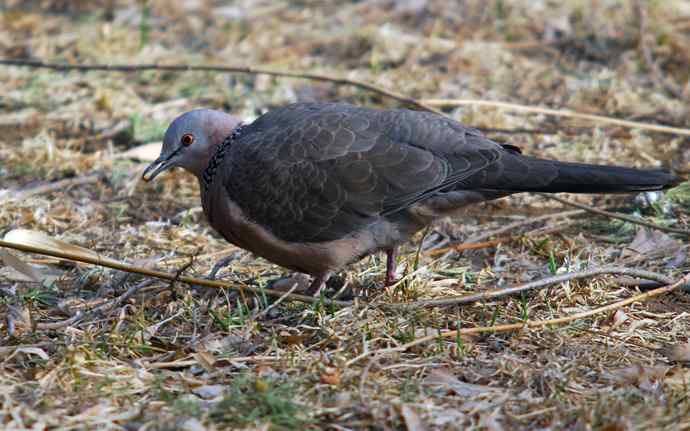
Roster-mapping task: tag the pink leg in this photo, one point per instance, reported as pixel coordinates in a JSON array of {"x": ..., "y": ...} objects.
[{"x": 391, "y": 253}]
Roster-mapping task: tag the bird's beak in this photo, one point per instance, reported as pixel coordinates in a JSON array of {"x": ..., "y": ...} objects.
[{"x": 159, "y": 165}]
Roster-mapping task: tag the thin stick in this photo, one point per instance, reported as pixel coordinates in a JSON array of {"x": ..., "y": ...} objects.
[
  {"x": 183, "y": 363},
  {"x": 165, "y": 275},
  {"x": 530, "y": 323},
  {"x": 101, "y": 308},
  {"x": 538, "y": 284},
  {"x": 635, "y": 220},
  {"x": 277, "y": 302},
  {"x": 449, "y": 103},
  {"x": 51, "y": 187},
  {"x": 521, "y": 223},
  {"x": 469, "y": 246},
  {"x": 218, "y": 68}
]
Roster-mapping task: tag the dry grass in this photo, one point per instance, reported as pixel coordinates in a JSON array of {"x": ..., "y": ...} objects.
[{"x": 172, "y": 357}]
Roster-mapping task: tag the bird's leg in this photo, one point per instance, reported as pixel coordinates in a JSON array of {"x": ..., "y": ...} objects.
[
  {"x": 226, "y": 261},
  {"x": 318, "y": 283},
  {"x": 391, "y": 265}
]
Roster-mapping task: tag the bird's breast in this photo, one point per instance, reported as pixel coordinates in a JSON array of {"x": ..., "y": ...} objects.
[{"x": 315, "y": 258}]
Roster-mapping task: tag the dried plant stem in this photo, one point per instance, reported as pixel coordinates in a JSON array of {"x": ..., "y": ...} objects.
[
  {"x": 469, "y": 246},
  {"x": 60, "y": 185},
  {"x": 101, "y": 308},
  {"x": 219, "y": 68},
  {"x": 522, "y": 223},
  {"x": 448, "y": 103},
  {"x": 530, "y": 323},
  {"x": 109, "y": 263},
  {"x": 538, "y": 284},
  {"x": 635, "y": 220}
]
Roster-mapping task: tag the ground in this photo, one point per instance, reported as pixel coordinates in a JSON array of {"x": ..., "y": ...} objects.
[{"x": 170, "y": 356}]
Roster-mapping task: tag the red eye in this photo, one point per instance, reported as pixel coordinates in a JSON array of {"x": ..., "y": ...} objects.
[{"x": 187, "y": 139}]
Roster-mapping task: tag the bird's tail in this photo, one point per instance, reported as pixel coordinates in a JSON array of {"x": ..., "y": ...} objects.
[{"x": 529, "y": 174}]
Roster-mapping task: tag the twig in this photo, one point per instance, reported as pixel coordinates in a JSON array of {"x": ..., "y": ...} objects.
[
  {"x": 663, "y": 81},
  {"x": 277, "y": 301},
  {"x": 555, "y": 112},
  {"x": 218, "y": 68},
  {"x": 530, "y": 323},
  {"x": 501, "y": 240},
  {"x": 57, "y": 185},
  {"x": 469, "y": 246},
  {"x": 538, "y": 284},
  {"x": 634, "y": 220},
  {"x": 109, "y": 263},
  {"x": 189, "y": 362},
  {"x": 100, "y": 309}
]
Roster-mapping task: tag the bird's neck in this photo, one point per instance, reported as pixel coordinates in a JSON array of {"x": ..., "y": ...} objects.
[{"x": 216, "y": 158}]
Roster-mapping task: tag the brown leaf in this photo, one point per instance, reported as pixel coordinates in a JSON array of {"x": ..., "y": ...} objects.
[
  {"x": 293, "y": 339},
  {"x": 145, "y": 153},
  {"x": 644, "y": 377},
  {"x": 652, "y": 242},
  {"x": 448, "y": 380},
  {"x": 330, "y": 376},
  {"x": 619, "y": 317},
  {"x": 18, "y": 265},
  {"x": 206, "y": 360},
  {"x": 411, "y": 418},
  {"x": 43, "y": 241},
  {"x": 677, "y": 352}
]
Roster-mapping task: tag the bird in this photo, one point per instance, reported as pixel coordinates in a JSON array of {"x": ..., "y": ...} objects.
[{"x": 313, "y": 187}]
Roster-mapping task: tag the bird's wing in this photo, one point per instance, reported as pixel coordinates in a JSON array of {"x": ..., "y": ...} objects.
[{"x": 316, "y": 172}]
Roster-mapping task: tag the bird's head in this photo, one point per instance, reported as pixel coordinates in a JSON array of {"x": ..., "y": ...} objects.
[{"x": 191, "y": 141}]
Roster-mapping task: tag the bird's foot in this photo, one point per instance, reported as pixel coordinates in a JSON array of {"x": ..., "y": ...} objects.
[{"x": 391, "y": 265}]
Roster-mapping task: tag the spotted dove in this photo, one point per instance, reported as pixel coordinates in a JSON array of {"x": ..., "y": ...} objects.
[{"x": 315, "y": 186}]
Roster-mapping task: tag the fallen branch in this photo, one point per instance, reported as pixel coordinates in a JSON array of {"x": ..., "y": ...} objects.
[
  {"x": 535, "y": 285},
  {"x": 630, "y": 219},
  {"x": 35, "y": 64},
  {"x": 450, "y": 103},
  {"x": 511, "y": 327},
  {"x": 109, "y": 263}
]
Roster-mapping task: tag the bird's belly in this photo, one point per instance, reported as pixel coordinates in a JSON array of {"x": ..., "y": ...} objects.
[{"x": 315, "y": 258}]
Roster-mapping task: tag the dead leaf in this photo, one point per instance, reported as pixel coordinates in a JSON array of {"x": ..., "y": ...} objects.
[
  {"x": 411, "y": 418},
  {"x": 619, "y": 317},
  {"x": 23, "y": 268},
  {"x": 209, "y": 391},
  {"x": 206, "y": 360},
  {"x": 677, "y": 352},
  {"x": 293, "y": 339},
  {"x": 678, "y": 378},
  {"x": 29, "y": 351},
  {"x": 330, "y": 376},
  {"x": 652, "y": 242},
  {"x": 449, "y": 381},
  {"x": 648, "y": 378},
  {"x": 192, "y": 424},
  {"x": 41, "y": 240},
  {"x": 145, "y": 153}
]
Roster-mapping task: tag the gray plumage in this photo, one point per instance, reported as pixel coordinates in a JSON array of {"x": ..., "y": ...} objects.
[{"x": 314, "y": 186}]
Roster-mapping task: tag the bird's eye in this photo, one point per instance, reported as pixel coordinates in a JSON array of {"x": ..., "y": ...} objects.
[{"x": 187, "y": 139}]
